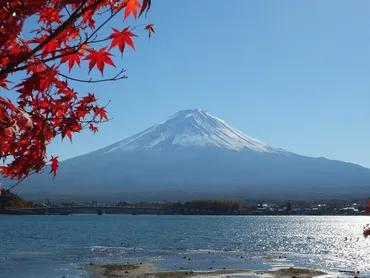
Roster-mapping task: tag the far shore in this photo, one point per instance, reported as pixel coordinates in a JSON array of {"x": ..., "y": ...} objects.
[
  {"x": 145, "y": 211},
  {"x": 150, "y": 271}
]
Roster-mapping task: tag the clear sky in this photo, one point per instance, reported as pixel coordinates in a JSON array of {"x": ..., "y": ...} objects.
[{"x": 293, "y": 74}]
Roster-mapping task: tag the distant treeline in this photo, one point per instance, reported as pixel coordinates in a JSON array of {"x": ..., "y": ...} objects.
[
  {"x": 255, "y": 207},
  {"x": 196, "y": 206},
  {"x": 11, "y": 200}
]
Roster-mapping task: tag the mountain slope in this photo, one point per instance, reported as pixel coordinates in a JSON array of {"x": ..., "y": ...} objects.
[
  {"x": 194, "y": 154},
  {"x": 192, "y": 128}
]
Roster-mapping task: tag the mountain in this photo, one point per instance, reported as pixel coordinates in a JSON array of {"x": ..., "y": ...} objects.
[
  {"x": 192, "y": 128},
  {"x": 194, "y": 154}
]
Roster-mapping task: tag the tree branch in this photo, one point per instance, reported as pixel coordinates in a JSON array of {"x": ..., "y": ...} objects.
[
  {"x": 115, "y": 78},
  {"x": 56, "y": 33},
  {"x": 76, "y": 14},
  {"x": 22, "y": 179},
  {"x": 47, "y": 60}
]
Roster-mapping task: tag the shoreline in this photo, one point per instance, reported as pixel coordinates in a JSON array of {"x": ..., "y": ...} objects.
[
  {"x": 150, "y": 271},
  {"x": 80, "y": 211}
]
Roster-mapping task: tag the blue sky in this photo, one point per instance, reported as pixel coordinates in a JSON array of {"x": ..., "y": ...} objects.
[{"x": 294, "y": 74}]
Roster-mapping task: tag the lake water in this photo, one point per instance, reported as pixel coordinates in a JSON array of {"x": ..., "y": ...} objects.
[{"x": 55, "y": 246}]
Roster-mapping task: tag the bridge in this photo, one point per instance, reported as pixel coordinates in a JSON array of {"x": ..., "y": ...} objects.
[{"x": 85, "y": 210}]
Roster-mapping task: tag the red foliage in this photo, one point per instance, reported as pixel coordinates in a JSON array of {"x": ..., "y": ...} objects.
[
  {"x": 150, "y": 29},
  {"x": 47, "y": 105},
  {"x": 121, "y": 38},
  {"x": 367, "y": 210},
  {"x": 99, "y": 58},
  {"x": 366, "y": 232}
]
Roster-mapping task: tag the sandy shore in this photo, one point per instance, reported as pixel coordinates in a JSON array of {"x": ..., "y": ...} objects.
[{"x": 150, "y": 271}]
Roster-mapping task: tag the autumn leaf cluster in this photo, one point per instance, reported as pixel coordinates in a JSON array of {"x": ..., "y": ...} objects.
[{"x": 44, "y": 104}]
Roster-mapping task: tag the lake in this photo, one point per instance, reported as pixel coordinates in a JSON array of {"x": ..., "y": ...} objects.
[{"x": 55, "y": 246}]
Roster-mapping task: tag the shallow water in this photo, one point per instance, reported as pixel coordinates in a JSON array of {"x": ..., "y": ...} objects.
[{"x": 54, "y": 246}]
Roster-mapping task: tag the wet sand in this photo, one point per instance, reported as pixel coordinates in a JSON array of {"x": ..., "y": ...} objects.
[{"x": 150, "y": 271}]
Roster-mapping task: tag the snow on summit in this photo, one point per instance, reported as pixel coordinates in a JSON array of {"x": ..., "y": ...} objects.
[{"x": 192, "y": 128}]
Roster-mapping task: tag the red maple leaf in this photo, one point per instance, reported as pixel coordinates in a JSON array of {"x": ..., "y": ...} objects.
[
  {"x": 366, "y": 232},
  {"x": 131, "y": 7},
  {"x": 99, "y": 58},
  {"x": 72, "y": 59},
  {"x": 121, "y": 38},
  {"x": 88, "y": 17},
  {"x": 150, "y": 29},
  {"x": 50, "y": 15},
  {"x": 102, "y": 113},
  {"x": 3, "y": 83},
  {"x": 50, "y": 48},
  {"x": 67, "y": 132},
  {"x": 93, "y": 128},
  {"x": 367, "y": 210},
  {"x": 146, "y": 6},
  {"x": 54, "y": 165}
]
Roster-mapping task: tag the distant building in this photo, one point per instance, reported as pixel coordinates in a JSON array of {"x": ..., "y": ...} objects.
[{"x": 350, "y": 210}]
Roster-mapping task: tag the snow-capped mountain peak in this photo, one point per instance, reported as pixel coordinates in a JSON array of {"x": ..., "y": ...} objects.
[{"x": 192, "y": 128}]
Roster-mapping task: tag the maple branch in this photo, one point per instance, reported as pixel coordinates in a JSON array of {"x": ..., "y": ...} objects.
[
  {"x": 66, "y": 9},
  {"x": 105, "y": 22},
  {"x": 76, "y": 14},
  {"x": 22, "y": 179},
  {"x": 28, "y": 126},
  {"x": 47, "y": 60},
  {"x": 115, "y": 78},
  {"x": 95, "y": 122},
  {"x": 93, "y": 119},
  {"x": 76, "y": 47},
  {"x": 18, "y": 37},
  {"x": 137, "y": 26},
  {"x": 101, "y": 13},
  {"x": 61, "y": 49},
  {"x": 101, "y": 40}
]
